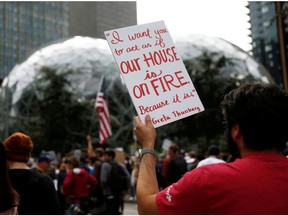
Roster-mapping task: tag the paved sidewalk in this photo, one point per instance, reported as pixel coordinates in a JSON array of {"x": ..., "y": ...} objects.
[{"x": 130, "y": 207}]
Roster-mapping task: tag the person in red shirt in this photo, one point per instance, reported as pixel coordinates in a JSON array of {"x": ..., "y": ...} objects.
[
  {"x": 255, "y": 118},
  {"x": 78, "y": 186}
]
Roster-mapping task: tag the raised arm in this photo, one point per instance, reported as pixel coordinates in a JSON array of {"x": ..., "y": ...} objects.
[
  {"x": 147, "y": 186},
  {"x": 90, "y": 150}
]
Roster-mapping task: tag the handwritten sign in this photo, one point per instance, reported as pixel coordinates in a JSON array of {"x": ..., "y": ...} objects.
[{"x": 154, "y": 73}]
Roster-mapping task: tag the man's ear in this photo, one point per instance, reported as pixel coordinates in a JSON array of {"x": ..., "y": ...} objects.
[
  {"x": 235, "y": 132},
  {"x": 237, "y": 136}
]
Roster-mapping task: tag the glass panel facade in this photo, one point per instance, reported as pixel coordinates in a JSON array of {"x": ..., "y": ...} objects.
[
  {"x": 25, "y": 26},
  {"x": 265, "y": 33}
]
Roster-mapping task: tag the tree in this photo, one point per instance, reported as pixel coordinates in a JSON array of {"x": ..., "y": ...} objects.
[
  {"x": 122, "y": 114},
  {"x": 52, "y": 113},
  {"x": 121, "y": 110},
  {"x": 57, "y": 117}
]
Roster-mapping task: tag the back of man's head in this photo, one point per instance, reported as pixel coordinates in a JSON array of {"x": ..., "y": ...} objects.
[
  {"x": 44, "y": 158},
  {"x": 213, "y": 150},
  {"x": 18, "y": 147},
  {"x": 74, "y": 162},
  {"x": 261, "y": 111},
  {"x": 173, "y": 148},
  {"x": 111, "y": 153},
  {"x": 99, "y": 152}
]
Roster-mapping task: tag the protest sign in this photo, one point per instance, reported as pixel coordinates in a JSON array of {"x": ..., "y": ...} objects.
[{"x": 154, "y": 73}]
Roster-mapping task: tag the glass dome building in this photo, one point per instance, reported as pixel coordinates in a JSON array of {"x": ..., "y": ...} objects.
[
  {"x": 89, "y": 58},
  {"x": 194, "y": 46}
]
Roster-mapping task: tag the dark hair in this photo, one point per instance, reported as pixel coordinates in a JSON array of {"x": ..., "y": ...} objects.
[
  {"x": 261, "y": 111},
  {"x": 213, "y": 150},
  {"x": 83, "y": 159},
  {"x": 110, "y": 152},
  {"x": 99, "y": 151},
  {"x": 174, "y": 148},
  {"x": 8, "y": 196},
  {"x": 74, "y": 162}
]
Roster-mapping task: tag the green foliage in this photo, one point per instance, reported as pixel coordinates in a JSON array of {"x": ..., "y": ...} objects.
[
  {"x": 121, "y": 111},
  {"x": 53, "y": 115},
  {"x": 58, "y": 118},
  {"x": 122, "y": 114}
]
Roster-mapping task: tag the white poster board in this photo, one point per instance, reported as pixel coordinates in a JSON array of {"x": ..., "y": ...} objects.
[{"x": 154, "y": 73}]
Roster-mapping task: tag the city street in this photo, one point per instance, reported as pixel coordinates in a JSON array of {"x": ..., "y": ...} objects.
[{"x": 130, "y": 208}]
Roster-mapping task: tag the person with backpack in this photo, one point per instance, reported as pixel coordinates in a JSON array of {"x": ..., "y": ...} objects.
[
  {"x": 114, "y": 179},
  {"x": 96, "y": 157}
]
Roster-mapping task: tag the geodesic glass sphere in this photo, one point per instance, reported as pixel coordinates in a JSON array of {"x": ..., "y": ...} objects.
[
  {"x": 89, "y": 58},
  {"x": 192, "y": 46},
  {"x": 92, "y": 58}
]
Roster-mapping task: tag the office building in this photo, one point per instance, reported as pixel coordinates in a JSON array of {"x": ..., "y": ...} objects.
[
  {"x": 93, "y": 18},
  {"x": 269, "y": 32},
  {"x": 28, "y": 26}
]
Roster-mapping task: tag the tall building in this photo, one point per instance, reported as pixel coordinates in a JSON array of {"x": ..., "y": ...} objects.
[
  {"x": 27, "y": 26},
  {"x": 93, "y": 18},
  {"x": 269, "y": 32}
]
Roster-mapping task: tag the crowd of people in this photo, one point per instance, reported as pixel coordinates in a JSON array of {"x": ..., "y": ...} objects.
[
  {"x": 177, "y": 182},
  {"x": 80, "y": 183}
]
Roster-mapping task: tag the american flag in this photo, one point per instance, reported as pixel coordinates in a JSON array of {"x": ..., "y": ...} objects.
[{"x": 101, "y": 104}]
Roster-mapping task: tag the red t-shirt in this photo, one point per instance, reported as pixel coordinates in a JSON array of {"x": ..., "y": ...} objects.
[{"x": 256, "y": 184}]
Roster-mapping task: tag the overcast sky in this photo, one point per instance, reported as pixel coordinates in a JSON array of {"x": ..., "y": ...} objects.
[{"x": 226, "y": 19}]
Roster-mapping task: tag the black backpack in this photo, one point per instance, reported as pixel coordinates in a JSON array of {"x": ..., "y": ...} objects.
[
  {"x": 118, "y": 179},
  {"x": 177, "y": 168}
]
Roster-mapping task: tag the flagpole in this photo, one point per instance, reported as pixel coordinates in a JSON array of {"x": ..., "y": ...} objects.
[{"x": 94, "y": 106}]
